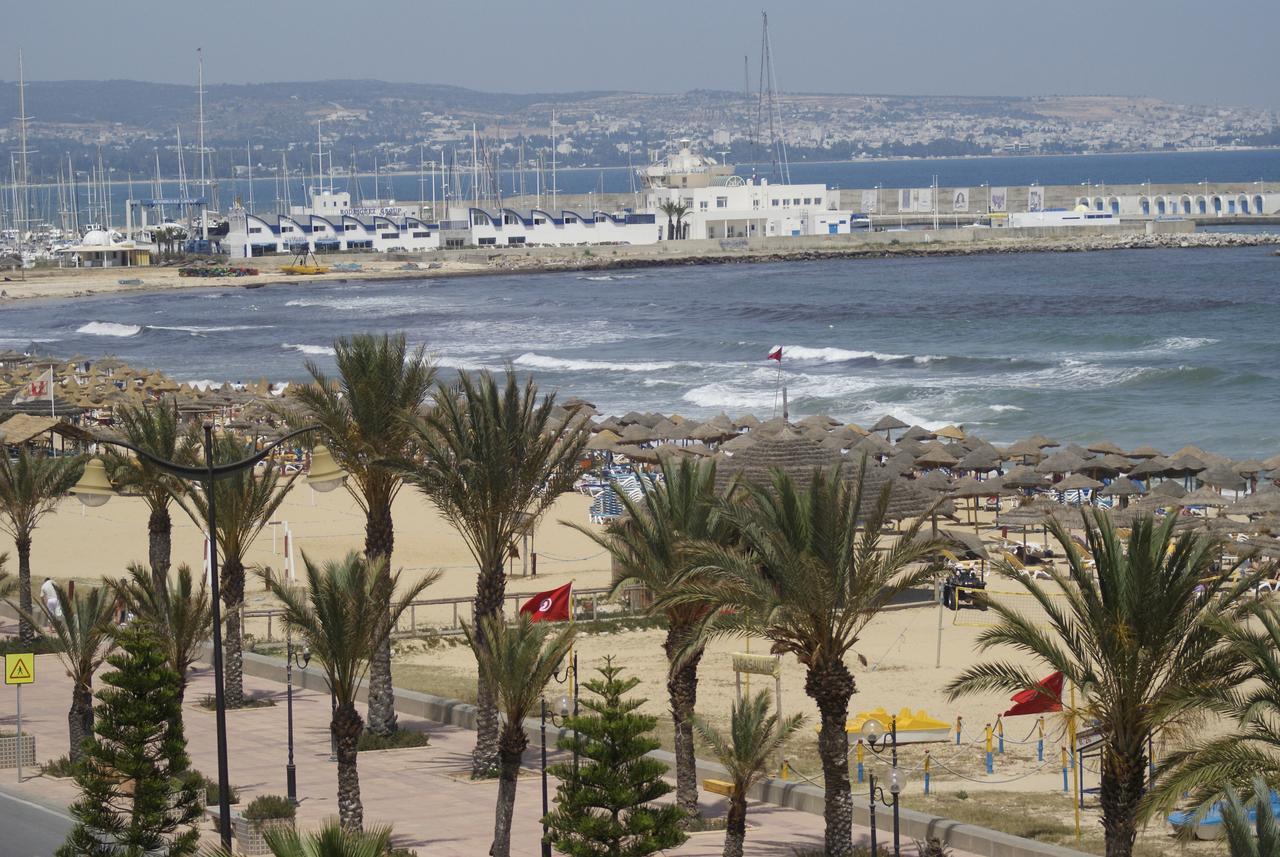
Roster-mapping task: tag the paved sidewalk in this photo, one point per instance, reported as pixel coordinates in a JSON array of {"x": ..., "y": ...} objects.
[{"x": 423, "y": 792}]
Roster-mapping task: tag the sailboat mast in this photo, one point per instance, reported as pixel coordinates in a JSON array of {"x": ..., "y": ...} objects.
[
  {"x": 204, "y": 181},
  {"x": 248, "y": 159},
  {"x": 553, "y": 162},
  {"x": 21, "y": 214}
]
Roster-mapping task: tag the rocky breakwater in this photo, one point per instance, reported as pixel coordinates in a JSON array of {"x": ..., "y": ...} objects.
[{"x": 991, "y": 242}]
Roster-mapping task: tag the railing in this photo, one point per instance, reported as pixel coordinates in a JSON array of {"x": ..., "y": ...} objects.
[{"x": 631, "y": 603}]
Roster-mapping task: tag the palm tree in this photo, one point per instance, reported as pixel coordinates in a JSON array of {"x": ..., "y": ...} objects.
[
  {"x": 755, "y": 735},
  {"x": 670, "y": 207},
  {"x": 1241, "y": 841},
  {"x": 245, "y": 503},
  {"x": 1141, "y": 642},
  {"x": 345, "y": 615},
  {"x": 7, "y": 582},
  {"x": 364, "y": 416},
  {"x": 682, "y": 211},
  {"x": 650, "y": 545},
  {"x": 810, "y": 575},
  {"x": 517, "y": 661},
  {"x": 180, "y": 613},
  {"x": 158, "y": 431},
  {"x": 492, "y": 459},
  {"x": 332, "y": 840},
  {"x": 82, "y": 626},
  {"x": 30, "y": 488},
  {"x": 1206, "y": 769}
]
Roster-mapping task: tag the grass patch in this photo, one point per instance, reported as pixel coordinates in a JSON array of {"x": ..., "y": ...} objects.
[
  {"x": 208, "y": 703},
  {"x": 399, "y": 740},
  {"x": 698, "y": 824},
  {"x": 1031, "y": 815},
  {"x": 59, "y": 767},
  {"x": 270, "y": 806},
  {"x": 426, "y": 678}
]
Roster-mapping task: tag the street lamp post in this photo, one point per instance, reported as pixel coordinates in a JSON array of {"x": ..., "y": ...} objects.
[
  {"x": 301, "y": 659},
  {"x": 94, "y": 489},
  {"x": 876, "y": 739},
  {"x": 570, "y": 672}
]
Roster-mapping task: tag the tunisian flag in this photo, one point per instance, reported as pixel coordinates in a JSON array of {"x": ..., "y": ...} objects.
[
  {"x": 1046, "y": 696},
  {"x": 549, "y": 606},
  {"x": 775, "y": 353}
]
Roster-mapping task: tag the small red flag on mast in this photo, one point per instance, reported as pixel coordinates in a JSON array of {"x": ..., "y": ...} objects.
[{"x": 775, "y": 353}]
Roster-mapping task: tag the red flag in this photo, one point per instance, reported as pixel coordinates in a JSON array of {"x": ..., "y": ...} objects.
[
  {"x": 549, "y": 606},
  {"x": 1046, "y": 696},
  {"x": 775, "y": 353}
]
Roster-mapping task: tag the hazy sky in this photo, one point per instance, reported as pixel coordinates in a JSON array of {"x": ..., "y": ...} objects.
[{"x": 1200, "y": 51}]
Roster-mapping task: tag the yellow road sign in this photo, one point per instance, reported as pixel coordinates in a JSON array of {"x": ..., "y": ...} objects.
[{"x": 20, "y": 669}]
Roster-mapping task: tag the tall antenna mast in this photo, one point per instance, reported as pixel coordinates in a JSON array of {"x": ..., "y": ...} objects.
[
  {"x": 768, "y": 102},
  {"x": 248, "y": 159}
]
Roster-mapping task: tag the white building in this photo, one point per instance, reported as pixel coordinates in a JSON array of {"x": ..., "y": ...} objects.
[
  {"x": 508, "y": 226},
  {"x": 326, "y": 226},
  {"x": 723, "y": 205},
  {"x": 1080, "y": 216}
]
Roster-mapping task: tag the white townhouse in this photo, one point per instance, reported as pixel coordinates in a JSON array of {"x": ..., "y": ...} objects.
[{"x": 507, "y": 226}]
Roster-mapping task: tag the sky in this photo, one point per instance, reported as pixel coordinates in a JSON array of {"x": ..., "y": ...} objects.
[{"x": 1189, "y": 51}]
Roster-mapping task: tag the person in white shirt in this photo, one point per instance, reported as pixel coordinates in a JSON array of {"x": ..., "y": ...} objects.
[{"x": 49, "y": 592}]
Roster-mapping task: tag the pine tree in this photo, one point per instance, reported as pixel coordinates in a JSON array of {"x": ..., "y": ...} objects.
[
  {"x": 605, "y": 807},
  {"x": 136, "y": 798}
]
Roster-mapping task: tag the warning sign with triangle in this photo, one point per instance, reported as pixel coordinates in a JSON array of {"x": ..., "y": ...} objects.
[{"x": 20, "y": 669}]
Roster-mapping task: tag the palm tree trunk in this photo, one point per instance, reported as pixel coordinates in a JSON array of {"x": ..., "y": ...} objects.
[
  {"x": 379, "y": 541},
  {"x": 735, "y": 828},
  {"x": 490, "y": 588},
  {"x": 1123, "y": 777},
  {"x": 682, "y": 688},
  {"x": 510, "y": 751},
  {"x": 830, "y": 685},
  {"x": 233, "y": 642},
  {"x": 159, "y": 545},
  {"x": 79, "y": 719},
  {"x": 346, "y": 727},
  {"x": 26, "y": 633}
]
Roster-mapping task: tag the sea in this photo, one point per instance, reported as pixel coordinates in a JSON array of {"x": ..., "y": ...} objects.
[{"x": 1167, "y": 347}]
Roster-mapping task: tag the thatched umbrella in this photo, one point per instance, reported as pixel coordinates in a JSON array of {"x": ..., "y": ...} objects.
[
  {"x": 1026, "y": 449},
  {"x": 638, "y": 453},
  {"x": 873, "y": 445},
  {"x": 1077, "y": 482},
  {"x": 909, "y": 446},
  {"x": 1041, "y": 441},
  {"x": 710, "y": 432},
  {"x": 637, "y": 433},
  {"x": 1024, "y": 478},
  {"x": 1104, "y": 447},
  {"x": 1169, "y": 488},
  {"x": 1222, "y": 477},
  {"x": 935, "y": 455},
  {"x": 1263, "y": 502},
  {"x": 1124, "y": 488},
  {"x": 605, "y": 441},
  {"x": 819, "y": 421},
  {"x": 935, "y": 480},
  {"x": 917, "y": 433},
  {"x": 746, "y": 421},
  {"x": 1157, "y": 466},
  {"x": 739, "y": 443},
  {"x": 1143, "y": 451},
  {"x": 981, "y": 460},
  {"x": 887, "y": 424},
  {"x": 1060, "y": 462},
  {"x": 950, "y": 433},
  {"x": 1202, "y": 497},
  {"x": 789, "y": 451}
]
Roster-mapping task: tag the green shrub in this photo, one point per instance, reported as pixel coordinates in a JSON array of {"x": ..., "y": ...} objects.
[
  {"x": 398, "y": 740},
  {"x": 40, "y": 646},
  {"x": 209, "y": 789},
  {"x": 208, "y": 703},
  {"x": 270, "y": 806}
]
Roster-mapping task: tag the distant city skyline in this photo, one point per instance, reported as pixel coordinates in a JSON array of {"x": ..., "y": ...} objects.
[{"x": 1177, "y": 50}]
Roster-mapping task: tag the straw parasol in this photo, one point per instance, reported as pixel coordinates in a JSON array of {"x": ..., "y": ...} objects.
[
  {"x": 1202, "y": 497},
  {"x": 1224, "y": 477},
  {"x": 789, "y": 451},
  {"x": 1025, "y": 478},
  {"x": 1060, "y": 462},
  {"x": 935, "y": 455},
  {"x": 887, "y": 424},
  {"x": 950, "y": 433},
  {"x": 981, "y": 460},
  {"x": 1078, "y": 482},
  {"x": 1169, "y": 488},
  {"x": 1105, "y": 447},
  {"x": 1144, "y": 451},
  {"x": 917, "y": 433}
]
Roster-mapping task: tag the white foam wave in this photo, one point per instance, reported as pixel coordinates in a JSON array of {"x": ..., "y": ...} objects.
[
  {"x": 533, "y": 360},
  {"x": 1000, "y": 409},
  {"x": 834, "y": 355},
  {"x": 109, "y": 328},
  {"x": 194, "y": 329},
  {"x": 1183, "y": 343},
  {"x": 312, "y": 350}
]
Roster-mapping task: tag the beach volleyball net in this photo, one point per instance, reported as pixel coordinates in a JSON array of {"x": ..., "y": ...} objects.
[{"x": 974, "y": 606}]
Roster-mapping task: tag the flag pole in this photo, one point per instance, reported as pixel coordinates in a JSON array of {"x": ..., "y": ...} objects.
[{"x": 1075, "y": 763}]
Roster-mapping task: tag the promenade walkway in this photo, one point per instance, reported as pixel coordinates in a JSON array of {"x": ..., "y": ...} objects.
[{"x": 424, "y": 792}]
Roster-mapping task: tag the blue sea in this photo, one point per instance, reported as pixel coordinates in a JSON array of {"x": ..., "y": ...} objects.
[{"x": 1167, "y": 347}]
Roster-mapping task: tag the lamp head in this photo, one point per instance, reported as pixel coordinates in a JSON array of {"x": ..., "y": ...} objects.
[
  {"x": 872, "y": 731},
  {"x": 563, "y": 704},
  {"x": 325, "y": 474},
  {"x": 94, "y": 487},
  {"x": 896, "y": 781}
]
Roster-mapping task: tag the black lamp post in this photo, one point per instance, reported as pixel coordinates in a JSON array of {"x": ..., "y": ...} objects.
[
  {"x": 91, "y": 491},
  {"x": 570, "y": 672},
  {"x": 873, "y": 733},
  {"x": 301, "y": 659}
]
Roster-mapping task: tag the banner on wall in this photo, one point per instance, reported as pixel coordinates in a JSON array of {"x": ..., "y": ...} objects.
[
  {"x": 999, "y": 199},
  {"x": 960, "y": 199},
  {"x": 924, "y": 199},
  {"x": 906, "y": 199},
  {"x": 870, "y": 202},
  {"x": 1035, "y": 198}
]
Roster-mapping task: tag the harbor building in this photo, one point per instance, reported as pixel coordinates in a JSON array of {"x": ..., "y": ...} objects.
[
  {"x": 507, "y": 227},
  {"x": 100, "y": 248},
  {"x": 719, "y": 204},
  {"x": 326, "y": 226}
]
